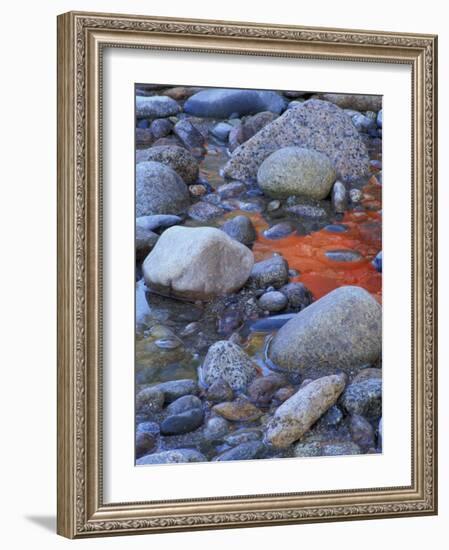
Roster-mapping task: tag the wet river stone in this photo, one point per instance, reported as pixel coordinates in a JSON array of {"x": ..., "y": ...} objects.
[
  {"x": 348, "y": 320},
  {"x": 227, "y": 361},
  {"x": 156, "y": 107},
  {"x": 183, "y": 422},
  {"x": 174, "y": 456},
  {"x": 204, "y": 211},
  {"x": 149, "y": 401},
  {"x": 364, "y": 398},
  {"x": 339, "y": 197},
  {"x": 241, "y": 229},
  {"x": 183, "y": 404},
  {"x": 159, "y": 190},
  {"x": 273, "y": 301},
  {"x": 295, "y": 171},
  {"x": 314, "y": 124},
  {"x": 326, "y": 448},
  {"x": 177, "y": 158},
  {"x": 189, "y": 135},
  {"x": 174, "y": 389},
  {"x": 344, "y": 255},
  {"x": 222, "y": 103},
  {"x": 296, "y": 415},
  {"x": 263, "y": 388},
  {"x": 147, "y": 436},
  {"x": 297, "y": 294},
  {"x": 270, "y": 272},
  {"x": 216, "y": 429},
  {"x": 219, "y": 391},
  {"x": 240, "y": 410},
  {"x": 244, "y": 451},
  {"x": 197, "y": 264},
  {"x": 279, "y": 230},
  {"x": 357, "y": 102},
  {"x": 161, "y": 127},
  {"x": 362, "y": 432}
]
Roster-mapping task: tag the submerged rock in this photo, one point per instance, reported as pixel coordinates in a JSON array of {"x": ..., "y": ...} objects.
[
  {"x": 197, "y": 263},
  {"x": 296, "y": 415},
  {"x": 295, "y": 171},
  {"x": 341, "y": 330},
  {"x": 159, "y": 190},
  {"x": 222, "y": 103},
  {"x": 227, "y": 361},
  {"x": 314, "y": 124},
  {"x": 177, "y": 158}
]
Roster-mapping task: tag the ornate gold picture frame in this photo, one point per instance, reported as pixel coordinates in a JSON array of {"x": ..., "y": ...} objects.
[{"x": 82, "y": 38}]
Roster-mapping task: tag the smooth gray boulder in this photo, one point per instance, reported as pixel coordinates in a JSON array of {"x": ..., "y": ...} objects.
[
  {"x": 296, "y": 415},
  {"x": 197, "y": 263},
  {"x": 159, "y": 190},
  {"x": 156, "y": 107},
  {"x": 314, "y": 124},
  {"x": 222, "y": 103},
  {"x": 342, "y": 330},
  {"x": 296, "y": 171}
]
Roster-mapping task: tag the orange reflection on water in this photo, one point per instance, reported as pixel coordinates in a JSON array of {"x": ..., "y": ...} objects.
[{"x": 307, "y": 253}]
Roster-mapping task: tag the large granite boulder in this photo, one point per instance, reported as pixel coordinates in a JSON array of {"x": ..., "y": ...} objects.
[
  {"x": 197, "y": 263},
  {"x": 342, "y": 330},
  {"x": 314, "y": 124}
]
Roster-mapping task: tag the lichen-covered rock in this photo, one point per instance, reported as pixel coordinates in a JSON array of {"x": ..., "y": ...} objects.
[
  {"x": 296, "y": 415},
  {"x": 197, "y": 263},
  {"x": 314, "y": 124},
  {"x": 296, "y": 171},
  {"x": 227, "y": 361},
  {"x": 341, "y": 330},
  {"x": 177, "y": 158},
  {"x": 159, "y": 190}
]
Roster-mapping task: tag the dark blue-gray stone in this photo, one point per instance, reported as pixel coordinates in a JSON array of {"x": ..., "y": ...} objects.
[
  {"x": 222, "y": 103},
  {"x": 182, "y": 423},
  {"x": 244, "y": 451}
]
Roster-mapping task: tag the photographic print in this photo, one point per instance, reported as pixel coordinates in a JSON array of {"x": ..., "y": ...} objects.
[{"x": 258, "y": 251}]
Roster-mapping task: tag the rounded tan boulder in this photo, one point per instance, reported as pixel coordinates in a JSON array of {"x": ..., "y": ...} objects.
[{"x": 197, "y": 263}]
